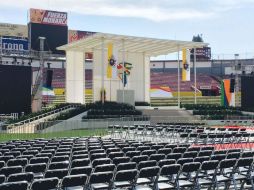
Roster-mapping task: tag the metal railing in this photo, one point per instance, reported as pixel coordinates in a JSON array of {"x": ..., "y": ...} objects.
[{"x": 43, "y": 115}]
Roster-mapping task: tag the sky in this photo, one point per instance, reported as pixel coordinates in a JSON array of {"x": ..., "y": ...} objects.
[{"x": 227, "y": 25}]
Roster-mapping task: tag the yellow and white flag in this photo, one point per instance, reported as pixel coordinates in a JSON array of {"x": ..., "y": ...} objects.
[
  {"x": 112, "y": 61},
  {"x": 186, "y": 65}
]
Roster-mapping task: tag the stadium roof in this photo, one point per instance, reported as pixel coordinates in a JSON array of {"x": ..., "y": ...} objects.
[{"x": 149, "y": 46}]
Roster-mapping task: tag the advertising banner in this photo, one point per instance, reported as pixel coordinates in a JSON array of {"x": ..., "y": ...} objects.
[
  {"x": 186, "y": 65},
  {"x": 14, "y": 44},
  {"x": 48, "y": 17},
  {"x": 14, "y": 30},
  {"x": 75, "y": 35}
]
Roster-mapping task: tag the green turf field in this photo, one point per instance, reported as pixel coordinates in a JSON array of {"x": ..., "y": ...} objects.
[{"x": 72, "y": 133}]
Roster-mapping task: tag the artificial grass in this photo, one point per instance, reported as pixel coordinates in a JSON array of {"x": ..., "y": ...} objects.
[{"x": 71, "y": 133}]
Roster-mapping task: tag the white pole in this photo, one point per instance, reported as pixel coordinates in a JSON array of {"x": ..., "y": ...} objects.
[
  {"x": 195, "y": 77},
  {"x": 178, "y": 78},
  {"x": 102, "y": 70},
  {"x": 123, "y": 60},
  {"x": 93, "y": 78}
]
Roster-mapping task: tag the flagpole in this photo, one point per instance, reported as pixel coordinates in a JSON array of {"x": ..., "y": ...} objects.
[
  {"x": 102, "y": 70},
  {"x": 123, "y": 60}
]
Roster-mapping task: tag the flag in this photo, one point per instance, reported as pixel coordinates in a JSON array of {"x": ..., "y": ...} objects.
[{"x": 186, "y": 65}]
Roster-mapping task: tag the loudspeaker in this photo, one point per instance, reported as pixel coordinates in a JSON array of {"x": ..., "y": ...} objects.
[
  {"x": 49, "y": 78},
  {"x": 232, "y": 85}
]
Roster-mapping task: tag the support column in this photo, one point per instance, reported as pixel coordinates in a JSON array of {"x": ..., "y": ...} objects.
[
  {"x": 102, "y": 70},
  {"x": 195, "y": 77},
  {"x": 75, "y": 83},
  {"x": 178, "y": 79}
]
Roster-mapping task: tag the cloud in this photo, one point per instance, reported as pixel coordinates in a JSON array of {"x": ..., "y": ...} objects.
[{"x": 155, "y": 10}]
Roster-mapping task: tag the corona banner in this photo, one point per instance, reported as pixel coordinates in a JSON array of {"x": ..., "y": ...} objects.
[
  {"x": 186, "y": 65},
  {"x": 48, "y": 17}
]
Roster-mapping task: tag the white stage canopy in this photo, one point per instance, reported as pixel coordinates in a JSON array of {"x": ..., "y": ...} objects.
[
  {"x": 152, "y": 47},
  {"x": 135, "y": 50}
]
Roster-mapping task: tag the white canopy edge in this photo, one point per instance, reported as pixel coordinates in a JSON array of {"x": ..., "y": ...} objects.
[{"x": 149, "y": 46}]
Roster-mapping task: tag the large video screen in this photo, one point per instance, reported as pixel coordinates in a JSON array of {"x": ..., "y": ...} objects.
[
  {"x": 247, "y": 92},
  {"x": 15, "y": 89},
  {"x": 55, "y": 35}
]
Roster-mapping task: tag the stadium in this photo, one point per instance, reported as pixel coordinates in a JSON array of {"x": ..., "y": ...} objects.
[{"x": 91, "y": 110}]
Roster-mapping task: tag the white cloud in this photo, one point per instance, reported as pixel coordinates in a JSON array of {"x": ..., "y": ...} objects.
[{"x": 155, "y": 10}]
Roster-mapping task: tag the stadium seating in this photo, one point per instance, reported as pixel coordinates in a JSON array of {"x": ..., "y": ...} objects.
[
  {"x": 170, "y": 79},
  {"x": 116, "y": 163}
]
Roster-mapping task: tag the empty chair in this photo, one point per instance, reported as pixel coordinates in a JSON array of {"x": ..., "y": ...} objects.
[
  {"x": 247, "y": 154},
  {"x": 37, "y": 169},
  {"x": 49, "y": 155},
  {"x": 244, "y": 165},
  {"x": 77, "y": 181},
  {"x": 43, "y": 184},
  {"x": 101, "y": 180},
  {"x": 145, "y": 164},
  {"x": 29, "y": 176},
  {"x": 6, "y": 158},
  {"x": 60, "y": 158},
  {"x": 37, "y": 160},
  {"x": 179, "y": 150},
  {"x": 209, "y": 169},
  {"x": 81, "y": 170},
  {"x": 222, "y": 178},
  {"x": 13, "y": 153},
  {"x": 21, "y": 185},
  {"x": 58, "y": 165},
  {"x": 126, "y": 166},
  {"x": 142, "y": 148},
  {"x": 79, "y": 156},
  {"x": 127, "y": 149},
  {"x": 95, "y": 151},
  {"x": 119, "y": 160},
  {"x": 165, "y": 151},
  {"x": 2, "y": 178},
  {"x": 59, "y": 173},
  {"x": 113, "y": 155},
  {"x": 80, "y": 163},
  {"x": 10, "y": 170},
  {"x": 110, "y": 150},
  {"x": 17, "y": 162},
  {"x": 157, "y": 157},
  {"x": 157, "y": 147},
  {"x": 98, "y": 155},
  {"x": 166, "y": 178},
  {"x": 182, "y": 161},
  {"x": 197, "y": 149},
  {"x": 201, "y": 159},
  {"x": 125, "y": 178},
  {"x": 105, "y": 168},
  {"x": 101, "y": 161},
  {"x": 191, "y": 154},
  {"x": 132, "y": 153},
  {"x": 205, "y": 153},
  {"x": 235, "y": 155},
  {"x": 218, "y": 157},
  {"x": 148, "y": 152},
  {"x": 147, "y": 176},
  {"x": 2, "y": 163},
  {"x": 164, "y": 162},
  {"x": 175, "y": 156},
  {"x": 138, "y": 159},
  {"x": 188, "y": 169},
  {"x": 80, "y": 152}
]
